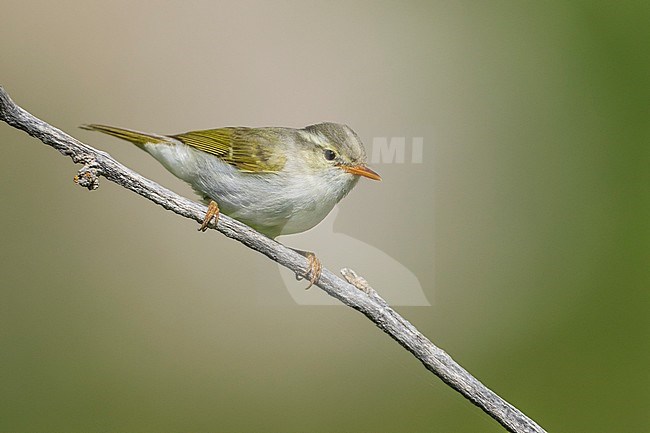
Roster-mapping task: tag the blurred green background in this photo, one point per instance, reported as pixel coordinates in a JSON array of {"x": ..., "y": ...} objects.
[{"x": 527, "y": 224}]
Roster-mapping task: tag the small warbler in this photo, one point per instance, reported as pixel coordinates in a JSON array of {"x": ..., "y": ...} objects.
[{"x": 276, "y": 180}]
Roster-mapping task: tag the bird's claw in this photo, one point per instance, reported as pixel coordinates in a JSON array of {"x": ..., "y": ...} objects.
[
  {"x": 213, "y": 212},
  {"x": 314, "y": 268}
]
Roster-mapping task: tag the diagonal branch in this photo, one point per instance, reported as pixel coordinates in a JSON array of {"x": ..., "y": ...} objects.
[{"x": 356, "y": 293}]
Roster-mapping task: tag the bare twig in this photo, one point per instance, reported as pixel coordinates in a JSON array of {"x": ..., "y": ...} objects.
[{"x": 356, "y": 294}]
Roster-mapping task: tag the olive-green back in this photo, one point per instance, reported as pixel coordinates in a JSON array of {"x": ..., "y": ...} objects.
[{"x": 252, "y": 150}]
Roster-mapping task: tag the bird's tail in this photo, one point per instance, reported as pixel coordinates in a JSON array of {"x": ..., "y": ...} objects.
[{"x": 135, "y": 137}]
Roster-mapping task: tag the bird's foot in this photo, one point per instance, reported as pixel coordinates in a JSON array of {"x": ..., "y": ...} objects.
[
  {"x": 213, "y": 212},
  {"x": 314, "y": 267}
]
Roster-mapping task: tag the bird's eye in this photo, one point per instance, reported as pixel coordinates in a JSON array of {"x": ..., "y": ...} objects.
[{"x": 330, "y": 154}]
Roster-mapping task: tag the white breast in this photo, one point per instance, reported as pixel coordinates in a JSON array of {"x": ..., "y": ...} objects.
[{"x": 273, "y": 204}]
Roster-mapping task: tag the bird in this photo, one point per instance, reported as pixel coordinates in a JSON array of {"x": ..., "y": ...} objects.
[{"x": 276, "y": 180}]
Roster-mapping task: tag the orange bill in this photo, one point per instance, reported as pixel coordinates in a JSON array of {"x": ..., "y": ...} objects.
[{"x": 361, "y": 170}]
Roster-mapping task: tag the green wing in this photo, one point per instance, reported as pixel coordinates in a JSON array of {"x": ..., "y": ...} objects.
[{"x": 252, "y": 150}]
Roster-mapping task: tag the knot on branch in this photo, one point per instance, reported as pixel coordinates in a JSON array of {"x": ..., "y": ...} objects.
[
  {"x": 358, "y": 281},
  {"x": 88, "y": 176}
]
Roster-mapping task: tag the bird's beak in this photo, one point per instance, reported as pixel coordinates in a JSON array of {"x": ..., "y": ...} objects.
[{"x": 361, "y": 170}]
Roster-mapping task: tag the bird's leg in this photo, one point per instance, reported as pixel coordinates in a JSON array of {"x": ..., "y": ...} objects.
[
  {"x": 314, "y": 267},
  {"x": 213, "y": 212}
]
